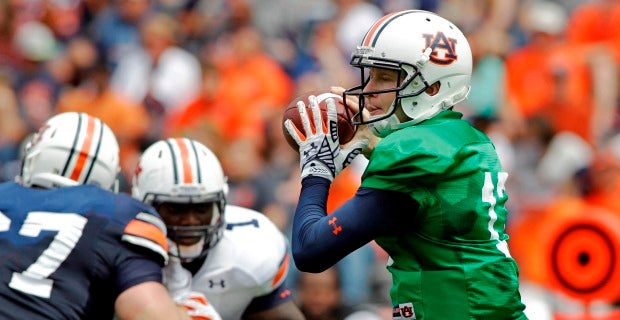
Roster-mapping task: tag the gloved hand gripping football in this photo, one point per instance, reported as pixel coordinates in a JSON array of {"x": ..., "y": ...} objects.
[{"x": 320, "y": 152}]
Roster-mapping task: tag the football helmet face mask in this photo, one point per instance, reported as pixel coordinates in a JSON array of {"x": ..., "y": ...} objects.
[
  {"x": 423, "y": 48},
  {"x": 182, "y": 178},
  {"x": 70, "y": 149}
]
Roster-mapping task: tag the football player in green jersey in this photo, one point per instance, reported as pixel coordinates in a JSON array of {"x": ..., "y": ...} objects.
[{"x": 433, "y": 193}]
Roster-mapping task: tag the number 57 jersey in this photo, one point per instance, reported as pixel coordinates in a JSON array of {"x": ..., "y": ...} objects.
[
  {"x": 67, "y": 253},
  {"x": 245, "y": 271}
]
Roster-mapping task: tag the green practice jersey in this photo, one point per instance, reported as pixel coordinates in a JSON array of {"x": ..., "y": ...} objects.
[{"x": 454, "y": 263}]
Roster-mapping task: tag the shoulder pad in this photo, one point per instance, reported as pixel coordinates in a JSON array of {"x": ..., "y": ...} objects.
[{"x": 149, "y": 232}]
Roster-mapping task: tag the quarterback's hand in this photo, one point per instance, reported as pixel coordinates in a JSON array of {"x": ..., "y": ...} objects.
[
  {"x": 320, "y": 153},
  {"x": 197, "y": 306},
  {"x": 362, "y": 132}
]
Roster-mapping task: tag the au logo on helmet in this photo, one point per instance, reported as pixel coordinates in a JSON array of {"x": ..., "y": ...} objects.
[
  {"x": 138, "y": 170},
  {"x": 444, "y": 48}
]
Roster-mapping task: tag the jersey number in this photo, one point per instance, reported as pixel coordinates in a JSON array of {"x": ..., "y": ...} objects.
[
  {"x": 252, "y": 222},
  {"x": 34, "y": 280},
  {"x": 489, "y": 197}
]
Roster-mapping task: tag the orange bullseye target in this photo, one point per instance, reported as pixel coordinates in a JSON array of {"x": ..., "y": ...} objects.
[{"x": 584, "y": 259}]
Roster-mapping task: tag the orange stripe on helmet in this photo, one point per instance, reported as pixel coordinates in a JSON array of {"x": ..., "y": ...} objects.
[
  {"x": 186, "y": 166},
  {"x": 148, "y": 231},
  {"x": 376, "y": 26},
  {"x": 281, "y": 272},
  {"x": 84, "y": 149}
]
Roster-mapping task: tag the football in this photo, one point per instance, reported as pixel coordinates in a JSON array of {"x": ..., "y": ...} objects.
[{"x": 346, "y": 130}]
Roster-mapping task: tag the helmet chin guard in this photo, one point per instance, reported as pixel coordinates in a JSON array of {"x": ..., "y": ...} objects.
[{"x": 187, "y": 254}]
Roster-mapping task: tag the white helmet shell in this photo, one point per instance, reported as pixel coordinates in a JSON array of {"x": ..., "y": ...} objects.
[
  {"x": 70, "y": 149},
  {"x": 178, "y": 170}
]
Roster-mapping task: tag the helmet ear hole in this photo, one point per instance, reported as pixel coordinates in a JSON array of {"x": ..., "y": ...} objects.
[{"x": 433, "y": 89}]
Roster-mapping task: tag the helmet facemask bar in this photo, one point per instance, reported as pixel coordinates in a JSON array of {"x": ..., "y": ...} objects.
[
  {"x": 404, "y": 80},
  {"x": 176, "y": 233},
  {"x": 208, "y": 235}
]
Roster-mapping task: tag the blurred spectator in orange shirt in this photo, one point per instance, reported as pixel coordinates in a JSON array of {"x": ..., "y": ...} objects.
[
  {"x": 242, "y": 89},
  {"x": 213, "y": 120},
  {"x": 596, "y": 22},
  {"x": 572, "y": 87},
  {"x": 128, "y": 120},
  {"x": 250, "y": 79}
]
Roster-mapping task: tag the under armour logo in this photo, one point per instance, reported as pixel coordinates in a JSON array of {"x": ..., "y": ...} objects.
[
  {"x": 443, "y": 48},
  {"x": 312, "y": 149},
  {"x": 284, "y": 294},
  {"x": 337, "y": 228},
  {"x": 213, "y": 283}
]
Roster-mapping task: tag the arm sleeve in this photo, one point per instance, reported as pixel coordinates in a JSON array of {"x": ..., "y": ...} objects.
[
  {"x": 276, "y": 297},
  {"x": 320, "y": 240},
  {"x": 136, "y": 270}
]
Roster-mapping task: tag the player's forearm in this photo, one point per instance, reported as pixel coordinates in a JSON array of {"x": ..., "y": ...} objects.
[
  {"x": 320, "y": 240},
  {"x": 308, "y": 234}
]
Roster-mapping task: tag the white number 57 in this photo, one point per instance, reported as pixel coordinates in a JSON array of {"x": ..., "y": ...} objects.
[{"x": 34, "y": 280}]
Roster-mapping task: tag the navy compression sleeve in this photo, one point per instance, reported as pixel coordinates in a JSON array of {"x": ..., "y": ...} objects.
[
  {"x": 268, "y": 301},
  {"x": 320, "y": 240},
  {"x": 137, "y": 270}
]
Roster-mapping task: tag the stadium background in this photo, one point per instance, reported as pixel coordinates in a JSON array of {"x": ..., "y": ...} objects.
[{"x": 544, "y": 87}]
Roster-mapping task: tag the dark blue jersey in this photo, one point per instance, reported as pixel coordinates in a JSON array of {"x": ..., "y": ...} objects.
[{"x": 68, "y": 253}]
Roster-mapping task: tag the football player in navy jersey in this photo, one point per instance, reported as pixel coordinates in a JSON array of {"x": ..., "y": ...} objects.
[{"x": 72, "y": 249}]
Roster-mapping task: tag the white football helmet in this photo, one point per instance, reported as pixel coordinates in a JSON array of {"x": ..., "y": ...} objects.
[
  {"x": 71, "y": 148},
  {"x": 425, "y": 48},
  {"x": 183, "y": 171}
]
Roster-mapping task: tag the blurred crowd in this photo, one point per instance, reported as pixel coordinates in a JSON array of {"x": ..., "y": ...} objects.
[{"x": 544, "y": 87}]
